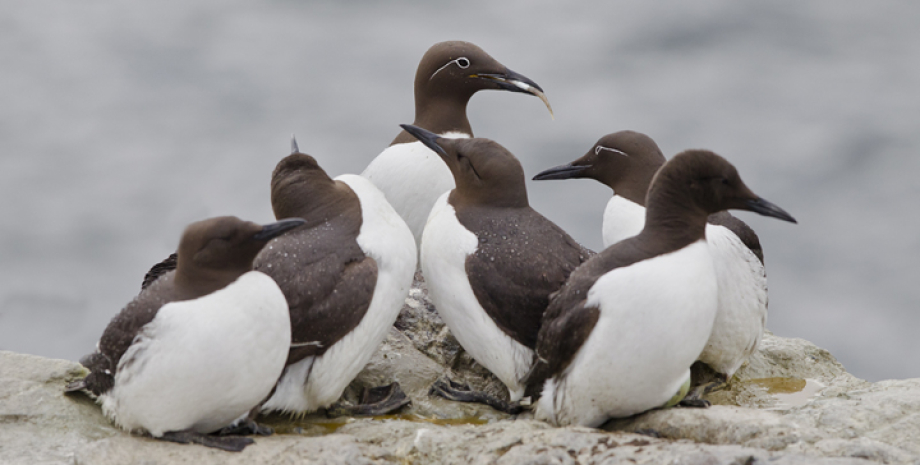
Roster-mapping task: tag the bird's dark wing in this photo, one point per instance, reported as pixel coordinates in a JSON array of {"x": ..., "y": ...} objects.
[
  {"x": 561, "y": 336},
  {"x": 159, "y": 269},
  {"x": 120, "y": 334},
  {"x": 328, "y": 286},
  {"x": 521, "y": 259}
]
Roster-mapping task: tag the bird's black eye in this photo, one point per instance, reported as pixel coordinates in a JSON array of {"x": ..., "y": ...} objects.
[
  {"x": 724, "y": 182},
  {"x": 463, "y": 62}
]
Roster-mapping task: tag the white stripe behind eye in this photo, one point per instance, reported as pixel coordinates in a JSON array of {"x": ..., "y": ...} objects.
[
  {"x": 597, "y": 150},
  {"x": 457, "y": 61}
]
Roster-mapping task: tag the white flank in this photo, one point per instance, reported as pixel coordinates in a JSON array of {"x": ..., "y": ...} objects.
[
  {"x": 445, "y": 246},
  {"x": 412, "y": 177},
  {"x": 742, "y": 315},
  {"x": 203, "y": 363},
  {"x": 655, "y": 318},
  {"x": 742, "y": 302},
  {"x": 384, "y": 237}
]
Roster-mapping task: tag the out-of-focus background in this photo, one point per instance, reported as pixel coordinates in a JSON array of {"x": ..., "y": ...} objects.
[{"x": 122, "y": 122}]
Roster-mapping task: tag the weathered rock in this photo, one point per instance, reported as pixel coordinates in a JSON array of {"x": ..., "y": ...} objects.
[
  {"x": 399, "y": 360},
  {"x": 793, "y": 403}
]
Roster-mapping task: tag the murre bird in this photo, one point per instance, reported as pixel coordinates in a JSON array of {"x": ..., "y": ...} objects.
[
  {"x": 201, "y": 346},
  {"x": 345, "y": 274},
  {"x": 411, "y": 176},
  {"x": 491, "y": 261},
  {"x": 620, "y": 336},
  {"x": 626, "y": 161}
]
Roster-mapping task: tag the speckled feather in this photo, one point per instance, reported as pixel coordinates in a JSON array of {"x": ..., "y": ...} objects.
[
  {"x": 521, "y": 259},
  {"x": 328, "y": 283}
]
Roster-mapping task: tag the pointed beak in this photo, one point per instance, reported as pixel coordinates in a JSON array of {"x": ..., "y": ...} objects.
[
  {"x": 766, "y": 208},
  {"x": 426, "y": 137},
  {"x": 561, "y": 172},
  {"x": 273, "y": 230},
  {"x": 515, "y": 82},
  {"x": 294, "y": 148}
]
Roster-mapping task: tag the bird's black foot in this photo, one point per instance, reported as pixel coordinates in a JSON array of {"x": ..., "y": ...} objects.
[
  {"x": 227, "y": 443},
  {"x": 721, "y": 382},
  {"x": 379, "y": 400},
  {"x": 695, "y": 397},
  {"x": 75, "y": 386},
  {"x": 245, "y": 428},
  {"x": 694, "y": 403},
  {"x": 461, "y": 392}
]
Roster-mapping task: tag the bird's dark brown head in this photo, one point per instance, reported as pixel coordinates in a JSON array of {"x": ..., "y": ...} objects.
[
  {"x": 214, "y": 252},
  {"x": 485, "y": 172},
  {"x": 448, "y": 76},
  {"x": 701, "y": 181},
  {"x": 625, "y": 161},
  {"x": 301, "y": 188}
]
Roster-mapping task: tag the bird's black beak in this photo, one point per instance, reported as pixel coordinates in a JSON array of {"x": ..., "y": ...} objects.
[
  {"x": 567, "y": 171},
  {"x": 515, "y": 82},
  {"x": 272, "y": 230},
  {"x": 766, "y": 208},
  {"x": 426, "y": 137}
]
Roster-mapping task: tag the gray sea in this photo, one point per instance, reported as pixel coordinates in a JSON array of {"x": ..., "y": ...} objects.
[{"x": 121, "y": 122}]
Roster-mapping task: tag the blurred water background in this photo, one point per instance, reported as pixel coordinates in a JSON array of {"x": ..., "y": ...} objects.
[{"x": 122, "y": 122}]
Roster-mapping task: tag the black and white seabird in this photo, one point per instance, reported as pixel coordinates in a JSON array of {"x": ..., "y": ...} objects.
[
  {"x": 491, "y": 261},
  {"x": 345, "y": 274},
  {"x": 626, "y": 161},
  {"x": 619, "y": 338},
  {"x": 411, "y": 176},
  {"x": 202, "y": 345}
]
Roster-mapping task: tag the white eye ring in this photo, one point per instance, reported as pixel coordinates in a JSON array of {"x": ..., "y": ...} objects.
[{"x": 597, "y": 150}]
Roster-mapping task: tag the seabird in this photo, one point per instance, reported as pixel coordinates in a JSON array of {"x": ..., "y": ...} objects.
[
  {"x": 491, "y": 261},
  {"x": 619, "y": 338},
  {"x": 626, "y": 161},
  {"x": 199, "y": 348},
  {"x": 410, "y": 175},
  {"x": 345, "y": 274}
]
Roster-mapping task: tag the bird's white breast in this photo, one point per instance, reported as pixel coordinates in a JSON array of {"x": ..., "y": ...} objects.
[
  {"x": 203, "y": 363},
  {"x": 317, "y": 382},
  {"x": 412, "y": 177},
  {"x": 742, "y": 314},
  {"x": 446, "y": 244},
  {"x": 623, "y": 219},
  {"x": 655, "y": 318}
]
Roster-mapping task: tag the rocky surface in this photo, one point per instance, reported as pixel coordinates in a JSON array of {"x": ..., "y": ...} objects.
[{"x": 792, "y": 403}]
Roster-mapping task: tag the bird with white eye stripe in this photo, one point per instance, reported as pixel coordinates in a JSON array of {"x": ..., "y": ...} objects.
[
  {"x": 626, "y": 161},
  {"x": 411, "y": 176},
  {"x": 620, "y": 337}
]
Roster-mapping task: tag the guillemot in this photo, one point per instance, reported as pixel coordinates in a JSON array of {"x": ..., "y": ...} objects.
[
  {"x": 619, "y": 338},
  {"x": 626, "y": 161},
  {"x": 345, "y": 274},
  {"x": 491, "y": 261},
  {"x": 201, "y": 346},
  {"x": 410, "y": 175}
]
